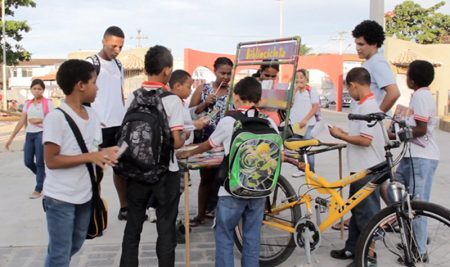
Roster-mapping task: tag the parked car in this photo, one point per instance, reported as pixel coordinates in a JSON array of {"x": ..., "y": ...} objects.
[
  {"x": 346, "y": 99},
  {"x": 324, "y": 103}
]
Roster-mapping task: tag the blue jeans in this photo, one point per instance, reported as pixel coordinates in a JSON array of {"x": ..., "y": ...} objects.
[
  {"x": 34, "y": 148},
  {"x": 67, "y": 228},
  {"x": 228, "y": 213},
  {"x": 424, "y": 170},
  {"x": 307, "y": 136}
]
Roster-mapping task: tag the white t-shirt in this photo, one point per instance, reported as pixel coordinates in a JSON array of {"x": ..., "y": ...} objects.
[
  {"x": 380, "y": 75},
  {"x": 174, "y": 111},
  {"x": 360, "y": 157},
  {"x": 72, "y": 185},
  {"x": 222, "y": 137},
  {"x": 109, "y": 104},
  {"x": 188, "y": 124},
  {"x": 423, "y": 108},
  {"x": 303, "y": 102},
  {"x": 36, "y": 111}
]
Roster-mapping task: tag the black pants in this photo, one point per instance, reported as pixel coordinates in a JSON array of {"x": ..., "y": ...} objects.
[
  {"x": 361, "y": 213},
  {"x": 165, "y": 197}
]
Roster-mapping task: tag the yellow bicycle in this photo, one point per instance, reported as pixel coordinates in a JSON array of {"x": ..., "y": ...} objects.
[{"x": 390, "y": 236}]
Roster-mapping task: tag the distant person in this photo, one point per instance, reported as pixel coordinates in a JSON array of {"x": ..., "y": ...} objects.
[
  {"x": 109, "y": 103},
  {"x": 67, "y": 187},
  {"x": 210, "y": 98},
  {"x": 163, "y": 189},
  {"x": 365, "y": 148},
  {"x": 32, "y": 117},
  {"x": 268, "y": 72},
  {"x": 304, "y": 108},
  {"x": 417, "y": 168}
]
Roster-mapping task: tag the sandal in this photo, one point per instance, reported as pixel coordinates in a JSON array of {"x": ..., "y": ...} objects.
[
  {"x": 196, "y": 221},
  {"x": 337, "y": 226},
  {"x": 210, "y": 214}
]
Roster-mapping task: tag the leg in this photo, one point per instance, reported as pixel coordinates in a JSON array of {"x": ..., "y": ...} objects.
[
  {"x": 138, "y": 196},
  {"x": 309, "y": 136},
  {"x": 81, "y": 224},
  {"x": 166, "y": 217},
  {"x": 40, "y": 167},
  {"x": 204, "y": 189},
  {"x": 60, "y": 223},
  {"x": 228, "y": 213},
  {"x": 252, "y": 222},
  {"x": 121, "y": 187},
  {"x": 28, "y": 152}
]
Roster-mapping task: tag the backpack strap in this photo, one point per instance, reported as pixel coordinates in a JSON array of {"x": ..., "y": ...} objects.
[
  {"x": 95, "y": 62},
  {"x": 119, "y": 64},
  {"x": 82, "y": 145},
  {"x": 28, "y": 103}
]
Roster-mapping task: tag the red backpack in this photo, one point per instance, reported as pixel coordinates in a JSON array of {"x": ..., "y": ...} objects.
[{"x": 44, "y": 105}]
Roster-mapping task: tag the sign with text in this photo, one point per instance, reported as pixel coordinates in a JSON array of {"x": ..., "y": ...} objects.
[{"x": 281, "y": 50}]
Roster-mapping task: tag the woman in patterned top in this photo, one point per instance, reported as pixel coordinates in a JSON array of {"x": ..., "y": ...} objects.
[{"x": 211, "y": 98}]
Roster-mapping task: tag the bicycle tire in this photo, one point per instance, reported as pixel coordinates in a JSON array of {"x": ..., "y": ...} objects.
[
  {"x": 382, "y": 236},
  {"x": 269, "y": 241}
]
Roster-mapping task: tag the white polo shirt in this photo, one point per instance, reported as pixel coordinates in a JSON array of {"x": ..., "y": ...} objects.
[
  {"x": 423, "y": 108},
  {"x": 174, "y": 110},
  {"x": 302, "y": 104},
  {"x": 222, "y": 137},
  {"x": 72, "y": 185},
  {"x": 360, "y": 157},
  {"x": 36, "y": 111}
]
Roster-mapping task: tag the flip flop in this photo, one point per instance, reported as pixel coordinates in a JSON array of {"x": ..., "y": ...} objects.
[
  {"x": 337, "y": 226},
  {"x": 196, "y": 221}
]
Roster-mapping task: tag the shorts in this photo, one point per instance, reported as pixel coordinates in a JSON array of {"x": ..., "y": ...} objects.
[{"x": 109, "y": 136}]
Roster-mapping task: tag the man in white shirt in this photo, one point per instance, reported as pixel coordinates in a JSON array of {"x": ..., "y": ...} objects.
[{"x": 109, "y": 103}]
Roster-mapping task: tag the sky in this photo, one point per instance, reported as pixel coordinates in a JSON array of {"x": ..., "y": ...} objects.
[{"x": 63, "y": 26}]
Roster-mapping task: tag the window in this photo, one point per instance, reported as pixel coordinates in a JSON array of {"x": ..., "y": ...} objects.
[{"x": 27, "y": 72}]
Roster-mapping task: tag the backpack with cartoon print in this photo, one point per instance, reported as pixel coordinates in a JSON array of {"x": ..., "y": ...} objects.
[{"x": 254, "y": 161}]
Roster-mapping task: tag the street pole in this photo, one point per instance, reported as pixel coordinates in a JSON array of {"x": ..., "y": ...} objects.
[
  {"x": 4, "y": 81},
  {"x": 377, "y": 11},
  {"x": 280, "y": 75}
]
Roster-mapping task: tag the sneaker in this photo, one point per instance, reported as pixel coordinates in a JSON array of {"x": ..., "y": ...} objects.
[
  {"x": 342, "y": 254},
  {"x": 298, "y": 174},
  {"x": 35, "y": 195},
  {"x": 152, "y": 215}
]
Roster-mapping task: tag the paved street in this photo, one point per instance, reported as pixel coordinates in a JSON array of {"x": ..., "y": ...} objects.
[{"x": 23, "y": 233}]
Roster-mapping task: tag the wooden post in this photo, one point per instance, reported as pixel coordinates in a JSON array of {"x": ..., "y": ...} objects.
[
  {"x": 186, "y": 218},
  {"x": 340, "y": 178}
]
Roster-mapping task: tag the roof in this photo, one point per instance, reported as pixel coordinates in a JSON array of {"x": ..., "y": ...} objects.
[
  {"x": 406, "y": 57},
  {"x": 41, "y": 62}
]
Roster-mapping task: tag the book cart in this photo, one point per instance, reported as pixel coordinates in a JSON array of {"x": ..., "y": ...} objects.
[{"x": 276, "y": 100}]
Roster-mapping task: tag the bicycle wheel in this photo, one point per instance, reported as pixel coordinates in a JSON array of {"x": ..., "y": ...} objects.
[
  {"x": 276, "y": 245},
  {"x": 383, "y": 236}
]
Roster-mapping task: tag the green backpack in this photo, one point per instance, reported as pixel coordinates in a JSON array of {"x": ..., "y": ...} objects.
[{"x": 254, "y": 161}]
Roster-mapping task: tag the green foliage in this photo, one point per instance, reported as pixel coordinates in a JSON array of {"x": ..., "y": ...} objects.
[
  {"x": 304, "y": 50},
  {"x": 14, "y": 30},
  {"x": 410, "y": 21}
]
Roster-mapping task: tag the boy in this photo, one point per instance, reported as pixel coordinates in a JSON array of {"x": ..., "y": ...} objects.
[
  {"x": 158, "y": 66},
  {"x": 230, "y": 209},
  {"x": 364, "y": 149},
  {"x": 424, "y": 155},
  {"x": 67, "y": 186}
]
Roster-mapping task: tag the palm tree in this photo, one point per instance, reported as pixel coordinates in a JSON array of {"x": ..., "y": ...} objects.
[{"x": 304, "y": 50}]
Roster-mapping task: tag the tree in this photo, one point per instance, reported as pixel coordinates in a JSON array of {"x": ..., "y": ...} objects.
[
  {"x": 304, "y": 50},
  {"x": 14, "y": 30},
  {"x": 410, "y": 21}
]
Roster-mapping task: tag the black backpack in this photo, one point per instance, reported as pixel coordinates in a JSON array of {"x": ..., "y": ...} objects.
[
  {"x": 145, "y": 129},
  {"x": 96, "y": 63}
]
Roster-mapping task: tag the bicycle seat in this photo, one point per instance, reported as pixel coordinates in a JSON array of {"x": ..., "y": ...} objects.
[{"x": 297, "y": 143}]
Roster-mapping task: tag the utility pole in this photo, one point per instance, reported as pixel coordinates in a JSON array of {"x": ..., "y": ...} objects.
[
  {"x": 4, "y": 80},
  {"x": 377, "y": 11},
  {"x": 139, "y": 38},
  {"x": 280, "y": 74},
  {"x": 341, "y": 39}
]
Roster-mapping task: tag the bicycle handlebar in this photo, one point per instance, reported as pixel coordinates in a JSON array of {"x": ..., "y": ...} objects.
[{"x": 379, "y": 116}]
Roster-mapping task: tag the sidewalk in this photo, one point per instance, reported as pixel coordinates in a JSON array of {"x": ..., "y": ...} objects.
[{"x": 23, "y": 233}]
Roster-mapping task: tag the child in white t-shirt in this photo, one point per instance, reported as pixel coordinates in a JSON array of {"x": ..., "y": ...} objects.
[
  {"x": 365, "y": 149},
  {"x": 424, "y": 156},
  {"x": 67, "y": 186},
  {"x": 247, "y": 93}
]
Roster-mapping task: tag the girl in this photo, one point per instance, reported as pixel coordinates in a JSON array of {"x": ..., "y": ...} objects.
[
  {"x": 211, "y": 98},
  {"x": 33, "y": 115}
]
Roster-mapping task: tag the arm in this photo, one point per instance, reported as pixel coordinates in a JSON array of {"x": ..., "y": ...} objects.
[
  {"x": 351, "y": 139},
  {"x": 178, "y": 139},
  {"x": 35, "y": 121},
  {"x": 54, "y": 160},
  {"x": 392, "y": 94},
  {"x": 203, "y": 147},
  {"x": 312, "y": 111},
  {"x": 196, "y": 100},
  {"x": 22, "y": 122},
  {"x": 420, "y": 129}
]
